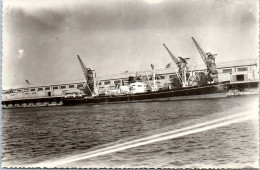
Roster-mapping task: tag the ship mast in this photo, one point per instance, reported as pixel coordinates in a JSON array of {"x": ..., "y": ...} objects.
[{"x": 154, "y": 87}]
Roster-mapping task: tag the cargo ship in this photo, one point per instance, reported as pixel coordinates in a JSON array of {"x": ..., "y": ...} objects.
[
  {"x": 185, "y": 85},
  {"x": 188, "y": 93}
]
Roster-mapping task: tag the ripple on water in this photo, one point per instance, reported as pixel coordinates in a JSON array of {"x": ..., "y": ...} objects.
[{"x": 32, "y": 135}]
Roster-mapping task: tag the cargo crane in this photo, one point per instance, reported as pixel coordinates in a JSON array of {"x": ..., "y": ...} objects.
[
  {"x": 183, "y": 71},
  {"x": 90, "y": 76},
  {"x": 209, "y": 60}
]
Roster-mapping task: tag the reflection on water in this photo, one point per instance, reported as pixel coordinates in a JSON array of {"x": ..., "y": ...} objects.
[{"x": 32, "y": 135}]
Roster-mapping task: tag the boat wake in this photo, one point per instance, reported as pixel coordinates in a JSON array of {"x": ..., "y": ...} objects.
[{"x": 201, "y": 127}]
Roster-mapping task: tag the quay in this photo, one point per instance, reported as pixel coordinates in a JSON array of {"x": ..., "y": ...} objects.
[{"x": 32, "y": 102}]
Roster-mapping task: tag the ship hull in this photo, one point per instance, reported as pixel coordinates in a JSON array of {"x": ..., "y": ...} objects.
[{"x": 190, "y": 93}]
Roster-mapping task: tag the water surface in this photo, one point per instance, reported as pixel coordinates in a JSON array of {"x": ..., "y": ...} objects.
[{"x": 33, "y": 135}]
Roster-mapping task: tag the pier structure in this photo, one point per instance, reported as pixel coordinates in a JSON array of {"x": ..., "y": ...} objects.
[{"x": 51, "y": 94}]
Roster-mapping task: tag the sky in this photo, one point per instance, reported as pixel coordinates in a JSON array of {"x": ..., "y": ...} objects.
[{"x": 41, "y": 38}]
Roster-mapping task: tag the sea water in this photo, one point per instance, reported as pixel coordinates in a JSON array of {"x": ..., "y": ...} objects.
[{"x": 134, "y": 135}]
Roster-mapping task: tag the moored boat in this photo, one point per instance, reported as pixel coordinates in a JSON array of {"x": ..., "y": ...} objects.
[
  {"x": 185, "y": 86},
  {"x": 212, "y": 91},
  {"x": 188, "y": 93}
]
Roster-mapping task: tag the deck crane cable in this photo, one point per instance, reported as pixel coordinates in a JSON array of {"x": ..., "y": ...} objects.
[{"x": 86, "y": 72}]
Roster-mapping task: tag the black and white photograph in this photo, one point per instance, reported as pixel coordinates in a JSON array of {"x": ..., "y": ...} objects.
[{"x": 130, "y": 84}]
